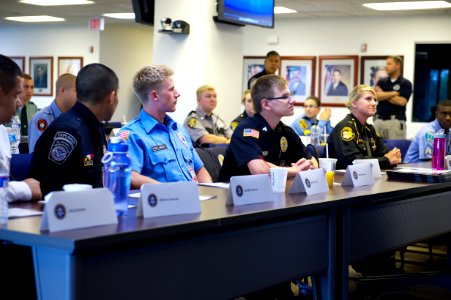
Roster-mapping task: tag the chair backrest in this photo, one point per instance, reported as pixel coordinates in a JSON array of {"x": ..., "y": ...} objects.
[
  {"x": 20, "y": 166},
  {"x": 212, "y": 159},
  {"x": 402, "y": 145},
  {"x": 315, "y": 151}
]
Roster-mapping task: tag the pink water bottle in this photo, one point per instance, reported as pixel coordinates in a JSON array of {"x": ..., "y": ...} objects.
[{"x": 439, "y": 150}]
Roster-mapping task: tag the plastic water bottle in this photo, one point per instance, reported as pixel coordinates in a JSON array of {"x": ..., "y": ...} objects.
[
  {"x": 315, "y": 133},
  {"x": 15, "y": 127},
  {"x": 117, "y": 173},
  {"x": 439, "y": 150},
  {"x": 4, "y": 179},
  {"x": 14, "y": 143}
]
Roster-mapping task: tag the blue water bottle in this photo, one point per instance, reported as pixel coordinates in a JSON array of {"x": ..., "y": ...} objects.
[{"x": 117, "y": 173}]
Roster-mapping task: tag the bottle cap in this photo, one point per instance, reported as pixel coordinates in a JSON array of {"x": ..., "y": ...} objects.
[
  {"x": 117, "y": 144},
  {"x": 440, "y": 134}
]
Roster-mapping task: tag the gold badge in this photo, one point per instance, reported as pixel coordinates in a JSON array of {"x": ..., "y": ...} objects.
[
  {"x": 192, "y": 122},
  {"x": 233, "y": 125},
  {"x": 347, "y": 134},
  {"x": 221, "y": 159},
  {"x": 283, "y": 144},
  {"x": 307, "y": 132},
  {"x": 303, "y": 124}
]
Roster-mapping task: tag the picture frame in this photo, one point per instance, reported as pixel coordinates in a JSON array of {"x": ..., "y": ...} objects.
[
  {"x": 41, "y": 69},
  {"x": 345, "y": 70},
  {"x": 251, "y": 66},
  {"x": 69, "y": 64},
  {"x": 300, "y": 72},
  {"x": 20, "y": 61},
  {"x": 372, "y": 68}
]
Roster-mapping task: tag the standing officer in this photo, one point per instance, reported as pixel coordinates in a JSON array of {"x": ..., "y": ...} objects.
[
  {"x": 392, "y": 92},
  {"x": 72, "y": 147},
  {"x": 272, "y": 63},
  {"x": 263, "y": 141}
]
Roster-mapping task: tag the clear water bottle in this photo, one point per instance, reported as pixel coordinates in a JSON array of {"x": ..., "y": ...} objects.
[
  {"x": 15, "y": 127},
  {"x": 117, "y": 173},
  {"x": 14, "y": 143},
  {"x": 315, "y": 133},
  {"x": 4, "y": 179},
  {"x": 439, "y": 150}
]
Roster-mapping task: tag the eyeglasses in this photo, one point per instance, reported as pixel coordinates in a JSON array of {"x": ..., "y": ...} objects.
[
  {"x": 283, "y": 97},
  {"x": 310, "y": 106}
]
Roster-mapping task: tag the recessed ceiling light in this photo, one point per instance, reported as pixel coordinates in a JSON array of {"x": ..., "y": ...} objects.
[
  {"x": 56, "y": 2},
  {"x": 283, "y": 10},
  {"x": 408, "y": 5},
  {"x": 123, "y": 16},
  {"x": 29, "y": 19}
]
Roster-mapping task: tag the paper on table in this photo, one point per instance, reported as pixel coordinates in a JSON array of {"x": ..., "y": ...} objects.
[
  {"x": 201, "y": 197},
  {"x": 221, "y": 185},
  {"x": 15, "y": 212}
]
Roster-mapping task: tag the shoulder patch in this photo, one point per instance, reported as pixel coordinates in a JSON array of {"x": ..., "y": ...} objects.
[
  {"x": 251, "y": 132},
  {"x": 41, "y": 124},
  {"x": 303, "y": 124},
  {"x": 347, "y": 134},
  {"x": 124, "y": 134},
  {"x": 63, "y": 145},
  {"x": 429, "y": 136},
  {"x": 192, "y": 122}
]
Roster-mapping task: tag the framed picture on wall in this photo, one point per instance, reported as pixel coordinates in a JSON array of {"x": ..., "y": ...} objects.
[
  {"x": 69, "y": 64},
  {"x": 251, "y": 66},
  {"x": 41, "y": 69},
  {"x": 299, "y": 71},
  {"x": 337, "y": 77},
  {"x": 20, "y": 61},
  {"x": 372, "y": 68}
]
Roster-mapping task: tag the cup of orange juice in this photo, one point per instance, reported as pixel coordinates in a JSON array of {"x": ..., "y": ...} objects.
[{"x": 328, "y": 165}]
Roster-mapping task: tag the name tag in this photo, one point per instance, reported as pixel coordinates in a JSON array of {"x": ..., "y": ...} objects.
[
  {"x": 159, "y": 147},
  {"x": 165, "y": 199},
  {"x": 250, "y": 189},
  {"x": 311, "y": 182},
  {"x": 358, "y": 175},
  {"x": 78, "y": 209},
  {"x": 374, "y": 163}
]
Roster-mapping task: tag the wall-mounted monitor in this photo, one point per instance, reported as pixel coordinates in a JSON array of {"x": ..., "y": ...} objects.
[{"x": 246, "y": 12}]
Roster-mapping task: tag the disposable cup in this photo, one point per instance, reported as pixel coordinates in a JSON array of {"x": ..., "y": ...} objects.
[
  {"x": 76, "y": 187},
  {"x": 278, "y": 179},
  {"x": 328, "y": 165}
]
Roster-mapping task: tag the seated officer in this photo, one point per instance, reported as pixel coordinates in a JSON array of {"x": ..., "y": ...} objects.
[
  {"x": 70, "y": 150},
  {"x": 353, "y": 138},
  {"x": 248, "y": 109},
  {"x": 64, "y": 100},
  {"x": 304, "y": 123},
  {"x": 160, "y": 149},
  {"x": 421, "y": 146},
  {"x": 202, "y": 124},
  {"x": 263, "y": 141}
]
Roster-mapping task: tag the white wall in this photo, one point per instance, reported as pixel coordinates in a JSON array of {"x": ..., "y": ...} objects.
[
  {"x": 210, "y": 54},
  {"x": 343, "y": 36},
  {"x": 49, "y": 40},
  {"x": 126, "y": 49}
]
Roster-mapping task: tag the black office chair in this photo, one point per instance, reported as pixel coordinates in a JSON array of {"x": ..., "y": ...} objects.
[
  {"x": 402, "y": 145},
  {"x": 212, "y": 158},
  {"x": 20, "y": 166},
  {"x": 315, "y": 151}
]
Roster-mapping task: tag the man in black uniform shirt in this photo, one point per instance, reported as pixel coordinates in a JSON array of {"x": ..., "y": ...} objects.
[
  {"x": 272, "y": 62},
  {"x": 393, "y": 92},
  {"x": 263, "y": 141},
  {"x": 71, "y": 149},
  {"x": 353, "y": 138},
  {"x": 248, "y": 109}
]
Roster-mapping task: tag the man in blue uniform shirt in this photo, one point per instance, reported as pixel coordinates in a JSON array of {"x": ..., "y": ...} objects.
[
  {"x": 263, "y": 141},
  {"x": 66, "y": 96},
  {"x": 421, "y": 146},
  {"x": 70, "y": 150},
  {"x": 302, "y": 125},
  {"x": 160, "y": 149}
]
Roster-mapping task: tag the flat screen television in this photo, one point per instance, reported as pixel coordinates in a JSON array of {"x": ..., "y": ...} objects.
[{"x": 246, "y": 12}]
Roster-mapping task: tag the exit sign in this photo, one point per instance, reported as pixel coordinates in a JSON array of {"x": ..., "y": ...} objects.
[{"x": 96, "y": 23}]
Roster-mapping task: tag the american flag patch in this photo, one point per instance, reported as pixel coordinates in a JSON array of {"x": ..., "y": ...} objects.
[
  {"x": 251, "y": 132},
  {"x": 124, "y": 134}
]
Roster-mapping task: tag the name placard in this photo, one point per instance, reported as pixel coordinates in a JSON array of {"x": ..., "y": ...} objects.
[
  {"x": 358, "y": 175},
  {"x": 78, "y": 209},
  {"x": 165, "y": 199},
  {"x": 311, "y": 182},
  {"x": 250, "y": 189},
  {"x": 374, "y": 163}
]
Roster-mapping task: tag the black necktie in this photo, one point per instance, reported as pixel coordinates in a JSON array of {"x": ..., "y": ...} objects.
[{"x": 23, "y": 122}]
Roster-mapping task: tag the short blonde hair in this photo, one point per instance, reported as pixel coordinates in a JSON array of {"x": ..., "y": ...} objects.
[
  {"x": 245, "y": 93},
  {"x": 204, "y": 88},
  {"x": 357, "y": 92},
  {"x": 149, "y": 78}
]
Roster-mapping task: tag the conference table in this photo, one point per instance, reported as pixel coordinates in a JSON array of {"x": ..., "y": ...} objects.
[{"x": 227, "y": 251}]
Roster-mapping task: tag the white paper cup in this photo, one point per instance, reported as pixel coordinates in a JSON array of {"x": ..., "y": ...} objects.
[
  {"x": 76, "y": 187},
  {"x": 328, "y": 164},
  {"x": 448, "y": 162},
  {"x": 278, "y": 179}
]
